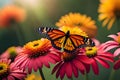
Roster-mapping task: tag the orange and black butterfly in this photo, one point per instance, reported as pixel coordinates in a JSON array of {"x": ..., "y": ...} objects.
[{"x": 66, "y": 41}]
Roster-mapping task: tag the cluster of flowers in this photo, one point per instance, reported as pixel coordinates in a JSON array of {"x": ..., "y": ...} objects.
[{"x": 35, "y": 54}]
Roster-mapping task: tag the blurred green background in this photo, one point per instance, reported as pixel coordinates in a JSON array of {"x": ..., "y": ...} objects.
[{"x": 47, "y": 13}]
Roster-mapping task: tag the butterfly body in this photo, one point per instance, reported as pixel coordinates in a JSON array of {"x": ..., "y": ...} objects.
[{"x": 66, "y": 41}]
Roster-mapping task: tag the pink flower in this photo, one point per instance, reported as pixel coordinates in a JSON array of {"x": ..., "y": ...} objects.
[
  {"x": 117, "y": 64},
  {"x": 35, "y": 54},
  {"x": 115, "y": 43},
  {"x": 97, "y": 42},
  {"x": 97, "y": 54},
  {"x": 11, "y": 53},
  {"x": 10, "y": 71},
  {"x": 70, "y": 64}
]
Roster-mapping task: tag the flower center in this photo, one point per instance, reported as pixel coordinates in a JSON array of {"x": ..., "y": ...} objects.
[
  {"x": 38, "y": 48},
  {"x": 12, "y": 52},
  {"x": 77, "y": 24},
  {"x": 118, "y": 39},
  {"x": 4, "y": 68},
  {"x": 91, "y": 51},
  {"x": 68, "y": 56},
  {"x": 39, "y": 53},
  {"x": 36, "y": 44}
]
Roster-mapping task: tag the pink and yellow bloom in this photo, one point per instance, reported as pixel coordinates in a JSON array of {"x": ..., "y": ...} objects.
[
  {"x": 11, "y": 52},
  {"x": 10, "y": 71},
  {"x": 97, "y": 54},
  {"x": 35, "y": 54},
  {"x": 113, "y": 44},
  {"x": 70, "y": 64}
]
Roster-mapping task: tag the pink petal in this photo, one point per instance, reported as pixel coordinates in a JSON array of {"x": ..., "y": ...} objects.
[
  {"x": 30, "y": 67},
  {"x": 95, "y": 67},
  {"x": 68, "y": 69},
  {"x": 56, "y": 67},
  {"x": 74, "y": 69},
  {"x": 10, "y": 78},
  {"x": 47, "y": 59},
  {"x": 111, "y": 47},
  {"x": 117, "y": 52},
  {"x": 111, "y": 43},
  {"x": 102, "y": 62},
  {"x": 84, "y": 59},
  {"x": 58, "y": 71},
  {"x": 97, "y": 42},
  {"x": 118, "y": 33},
  {"x": 24, "y": 63},
  {"x": 113, "y": 36},
  {"x": 55, "y": 57},
  {"x": 107, "y": 58},
  {"x": 34, "y": 65},
  {"x": 62, "y": 70},
  {"x": 39, "y": 63},
  {"x": 117, "y": 65},
  {"x": 79, "y": 65},
  {"x": 87, "y": 66},
  {"x": 106, "y": 54}
]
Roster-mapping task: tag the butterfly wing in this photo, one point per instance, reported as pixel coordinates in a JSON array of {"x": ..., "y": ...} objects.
[
  {"x": 69, "y": 46},
  {"x": 59, "y": 40},
  {"x": 81, "y": 41}
]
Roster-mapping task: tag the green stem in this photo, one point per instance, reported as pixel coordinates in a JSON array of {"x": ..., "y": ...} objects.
[
  {"x": 112, "y": 74},
  {"x": 86, "y": 76},
  {"x": 41, "y": 73}
]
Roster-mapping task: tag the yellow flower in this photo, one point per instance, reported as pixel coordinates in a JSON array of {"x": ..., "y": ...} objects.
[
  {"x": 109, "y": 11},
  {"x": 78, "y": 20},
  {"x": 33, "y": 77},
  {"x": 74, "y": 30}
]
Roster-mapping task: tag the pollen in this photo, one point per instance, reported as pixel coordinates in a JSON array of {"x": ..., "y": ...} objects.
[
  {"x": 4, "y": 69},
  {"x": 68, "y": 56},
  {"x": 91, "y": 51}
]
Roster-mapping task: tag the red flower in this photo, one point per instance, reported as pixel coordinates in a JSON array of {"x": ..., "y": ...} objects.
[
  {"x": 70, "y": 64},
  {"x": 36, "y": 54}
]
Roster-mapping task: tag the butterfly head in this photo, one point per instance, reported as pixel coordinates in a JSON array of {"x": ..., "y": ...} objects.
[{"x": 90, "y": 42}]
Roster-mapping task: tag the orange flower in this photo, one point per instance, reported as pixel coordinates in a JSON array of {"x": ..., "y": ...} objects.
[
  {"x": 78, "y": 20},
  {"x": 11, "y": 14}
]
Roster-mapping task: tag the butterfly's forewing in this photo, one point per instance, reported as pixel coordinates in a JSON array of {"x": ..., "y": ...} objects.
[
  {"x": 77, "y": 40},
  {"x": 81, "y": 41}
]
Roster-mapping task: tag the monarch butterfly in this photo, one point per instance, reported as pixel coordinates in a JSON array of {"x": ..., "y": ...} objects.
[{"x": 65, "y": 41}]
